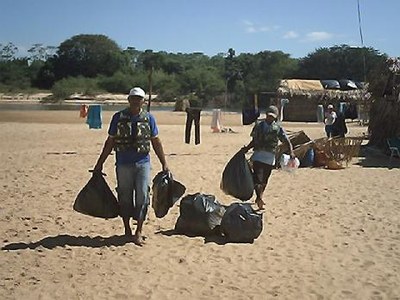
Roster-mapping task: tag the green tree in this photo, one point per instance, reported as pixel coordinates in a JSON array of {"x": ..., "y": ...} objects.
[
  {"x": 133, "y": 56},
  {"x": 41, "y": 52},
  {"x": 45, "y": 76},
  {"x": 151, "y": 61},
  {"x": 8, "y": 51},
  {"x": 204, "y": 82},
  {"x": 262, "y": 71},
  {"x": 88, "y": 55},
  {"x": 232, "y": 71},
  {"x": 14, "y": 75},
  {"x": 172, "y": 64},
  {"x": 166, "y": 86},
  {"x": 117, "y": 83},
  {"x": 341, "y": 62}
]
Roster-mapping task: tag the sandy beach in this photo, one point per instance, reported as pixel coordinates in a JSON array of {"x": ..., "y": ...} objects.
[{"x": 327, "y": 234}]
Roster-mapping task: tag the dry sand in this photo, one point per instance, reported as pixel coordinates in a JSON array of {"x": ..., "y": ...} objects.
[{"x": 327, "y": 234}]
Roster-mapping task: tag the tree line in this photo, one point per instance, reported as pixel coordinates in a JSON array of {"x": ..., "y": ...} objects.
[{"x": 92, "y": 64}]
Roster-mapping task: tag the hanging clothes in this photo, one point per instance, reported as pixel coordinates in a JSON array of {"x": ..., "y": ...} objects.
[
  {"x": 216, "y": 120},
  {"x": 192, "y": 115},
  {"x": 94, "y": 116},
  {"x": 283, "y": 103},
  {"x": 342, "y": 107},
  {"x": 320, "y": 113}
]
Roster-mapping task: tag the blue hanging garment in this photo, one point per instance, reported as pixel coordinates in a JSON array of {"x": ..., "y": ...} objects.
[
  {"x": 342, "y": 107},
  {"x": 320, "y": 113},
  {"x": 94, "y": 116}
]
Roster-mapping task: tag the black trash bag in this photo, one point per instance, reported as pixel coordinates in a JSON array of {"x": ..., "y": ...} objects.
[
  {"x": 96, "y": 199},
  {"x": 200, "y": 214},
  {"x": 346, "y": 85},
  {"x": 330, "y": 84},
  {"x": 166, "y": 191},
  {"x": 241, "y": 224},
  {"x": 237, "y": 178}
]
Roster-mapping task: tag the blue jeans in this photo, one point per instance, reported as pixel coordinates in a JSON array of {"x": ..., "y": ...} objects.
[
  {"x": 329, "y": 130},
  {"x": 133, "y": 190}
]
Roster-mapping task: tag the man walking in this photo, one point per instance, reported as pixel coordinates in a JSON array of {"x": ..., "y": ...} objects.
[
  {"x": 130, "y": 134},
  {"x": 265, "y": 138}
]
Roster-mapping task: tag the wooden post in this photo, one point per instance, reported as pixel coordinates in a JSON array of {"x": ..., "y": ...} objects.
[
  {"x": 150, "y": 78},
  {"x": 255, "y": 101}
]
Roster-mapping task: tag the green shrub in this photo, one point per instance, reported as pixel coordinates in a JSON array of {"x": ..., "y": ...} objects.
[
  {"x": 118, "y": 83},
  {"x": 66, "y": 87}
]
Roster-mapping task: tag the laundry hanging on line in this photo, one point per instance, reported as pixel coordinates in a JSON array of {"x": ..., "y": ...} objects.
[
  {"x": 192, "y": 115},
  {"x": 216, "y": 120},
  {"x": 94, "y": 119}
]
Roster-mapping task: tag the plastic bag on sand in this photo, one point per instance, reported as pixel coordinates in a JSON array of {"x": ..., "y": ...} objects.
[
  {"x": 241, "y": 224},
  {"x": 237, "y": 178},
  {"x": 288, "y": 164},
  {"x": 200, "y": 214},
  {"x": 166, "y": 191},
  {"x": 96, "y": 199}
]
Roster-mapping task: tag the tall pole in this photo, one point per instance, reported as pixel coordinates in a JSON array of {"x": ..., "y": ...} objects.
[
  {"x": 362, "y": 39},
  {"x": 150, "y": 78},
  {"x": 226, "y": 93}
]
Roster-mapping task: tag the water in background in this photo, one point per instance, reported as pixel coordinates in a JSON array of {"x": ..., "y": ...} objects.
[
  {"x": 76, "y": 107},
  {"x": 35, "y": 106}
]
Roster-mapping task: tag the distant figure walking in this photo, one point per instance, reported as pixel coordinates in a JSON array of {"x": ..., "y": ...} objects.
[{"x": 330, "y": 118}]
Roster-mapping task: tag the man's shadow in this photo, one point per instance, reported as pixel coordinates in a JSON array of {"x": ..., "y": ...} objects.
[{"x": 63, "y": 240}]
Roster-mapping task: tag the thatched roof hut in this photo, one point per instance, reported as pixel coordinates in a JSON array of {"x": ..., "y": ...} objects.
[
  {"x": 385, "y": 114},
  {"x": 305, "y": 95}
]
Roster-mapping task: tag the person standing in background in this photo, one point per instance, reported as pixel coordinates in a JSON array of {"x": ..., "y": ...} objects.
[
  {"x": 339, "y": 128},
  {"x": 330, "y": 118}
]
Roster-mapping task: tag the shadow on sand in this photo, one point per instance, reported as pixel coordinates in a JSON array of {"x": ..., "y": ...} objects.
[
  {"x": 63, "y": 240},
  {"x": 371, "y": 157},
  {"x": 212, "y": 238}
]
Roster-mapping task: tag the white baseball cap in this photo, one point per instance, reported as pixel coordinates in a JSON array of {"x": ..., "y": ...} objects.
[
  {"x": 330, "y": 106},
  {"x": 137, "y": 91}
]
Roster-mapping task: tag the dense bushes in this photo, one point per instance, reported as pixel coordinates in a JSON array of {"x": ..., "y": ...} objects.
[
  {"x": 226, "y": 79},
  {"x": 75, "y": 85}
]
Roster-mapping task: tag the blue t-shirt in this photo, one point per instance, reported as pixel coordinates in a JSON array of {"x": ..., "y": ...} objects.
[{"x": 131, "y": 156}]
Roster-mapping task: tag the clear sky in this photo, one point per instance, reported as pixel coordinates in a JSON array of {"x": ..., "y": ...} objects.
[{"x": 296, "y": 27}]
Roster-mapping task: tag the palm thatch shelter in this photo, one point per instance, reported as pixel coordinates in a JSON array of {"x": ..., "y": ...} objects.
[
  {"x": 385, "y": 112},
  {"x": 305, "y": 95}
]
